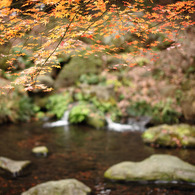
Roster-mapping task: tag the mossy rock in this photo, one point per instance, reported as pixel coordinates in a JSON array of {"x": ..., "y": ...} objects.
[
  {"x": 77, "y": 66},
  {"x": 96, "y": 120},
  {"x": 181, "y": 135},
  {"x": 88, "y": 114},
  {"x": 157, "y": 167}
]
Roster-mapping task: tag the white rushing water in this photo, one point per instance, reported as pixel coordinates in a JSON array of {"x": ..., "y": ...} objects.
[
  {"x": 123, "y": 127},
  {"x": 132, "y": 126},
  {"x": 62, "y": 122}
]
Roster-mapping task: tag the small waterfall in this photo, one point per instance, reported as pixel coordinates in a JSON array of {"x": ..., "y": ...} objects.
[
  {"x": 124, "y": 127},
  {"x": 62, "y": 122},
  {"x": 65, "y": 116},
  {"x": 131, "y": 126}
]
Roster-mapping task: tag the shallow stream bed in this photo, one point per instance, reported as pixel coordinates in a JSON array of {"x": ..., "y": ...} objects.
[{"x": 82, "y": 153}]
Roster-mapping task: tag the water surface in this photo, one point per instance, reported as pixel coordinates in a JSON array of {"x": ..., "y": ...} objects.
[{"x": 83, "y": 153}]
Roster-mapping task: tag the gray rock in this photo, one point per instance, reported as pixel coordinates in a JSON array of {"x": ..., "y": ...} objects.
[
  {"x": 61, "y": 187},
  {"x": 12, "y": 166},
  {"x": 157, "y": 167}
]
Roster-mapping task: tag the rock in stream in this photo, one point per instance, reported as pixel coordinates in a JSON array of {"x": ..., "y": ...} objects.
[
  {"x": 181, "y": 135},
  {"x": 40, "y": 151},
  {"x": 159, "y": 167},
  {"x": 13, "y": 166},
  {"x": 61, "y": 187}
]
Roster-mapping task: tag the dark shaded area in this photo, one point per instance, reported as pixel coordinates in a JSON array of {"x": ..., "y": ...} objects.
[
  {"x": 22, "y": 4},
  {"x": 82, "y": 153}
]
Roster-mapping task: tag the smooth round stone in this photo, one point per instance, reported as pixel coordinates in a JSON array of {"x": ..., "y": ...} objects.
[{"x": 40, "y": 151}]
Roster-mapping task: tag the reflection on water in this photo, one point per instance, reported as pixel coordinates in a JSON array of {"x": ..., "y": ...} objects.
[{"x": 82, "y": 153}]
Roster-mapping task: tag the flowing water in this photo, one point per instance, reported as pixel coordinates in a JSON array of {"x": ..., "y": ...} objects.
[{"x": 83, "y": 153}]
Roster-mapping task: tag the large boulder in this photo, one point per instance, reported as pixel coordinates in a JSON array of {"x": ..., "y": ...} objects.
[
  {"x": 61, "y": 187},
  {"x": 104, "y": 93},
  {"x": 157, "y": 167},
  {"x": 181, "y": 135},
  {"x": 13, "y": 166},
  {"x": 77, "y": 66}
]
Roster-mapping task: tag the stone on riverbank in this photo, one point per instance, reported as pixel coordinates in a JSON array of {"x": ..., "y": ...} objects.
[
  {"x": 12, "y": 166},
  {"x": 61, "y": 187},
  {"x": 181, "y": 135},
  {"x": 157, "y": 167}
]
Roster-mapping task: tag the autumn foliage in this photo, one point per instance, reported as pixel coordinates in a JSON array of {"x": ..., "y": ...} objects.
[{"x": 47, "y": 28}]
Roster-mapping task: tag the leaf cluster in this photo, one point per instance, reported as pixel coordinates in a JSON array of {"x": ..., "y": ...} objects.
[
  {"x": 162, "y": 112},
  {"x": 49, "y": 28},
  {"x": 58, "y": 103}
]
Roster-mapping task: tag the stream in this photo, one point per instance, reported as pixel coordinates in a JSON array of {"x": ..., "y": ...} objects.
[{"x": 82, "y": 153}]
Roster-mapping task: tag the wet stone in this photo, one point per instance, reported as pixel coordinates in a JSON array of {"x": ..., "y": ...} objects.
[
  {"x": 12, "y": 166},
  {"x": 40, "y": 151},
  {"x": 159, "y": 167},
  {"x": 61, "y": 187}
]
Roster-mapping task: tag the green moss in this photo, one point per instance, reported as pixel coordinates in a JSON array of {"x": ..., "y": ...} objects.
[
  {"x": 26, "y": 109},
  {"x": 171, "y": 135},
  {"x": 116, "y": 83},
  {"x": 15, "y": 107},
  {"x": 184, "y": 130},
  {"x": 88, "y": 114},
  {"x": 96, "y": 120},
  {"x": 147, "y": 136},
  {"x": 90, "y": 79},
  {"x": 79, "y": 113},
  {"x": 162, "y": 112},
  {"x": 100, "y": 105},
  {"x": 58, "y": 103}
]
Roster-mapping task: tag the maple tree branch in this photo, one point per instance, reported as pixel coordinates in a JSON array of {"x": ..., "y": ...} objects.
[
  {"x": 90, "y": 25},
  {"x": 61, "y": 39},
  {"x": 67, "y": 28},
  {"x": 168, "y": 19},
  {"x": 94, "y": 23},
  {"x": 164, "y": 21},
  {"x": 76, "y": 11}
]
